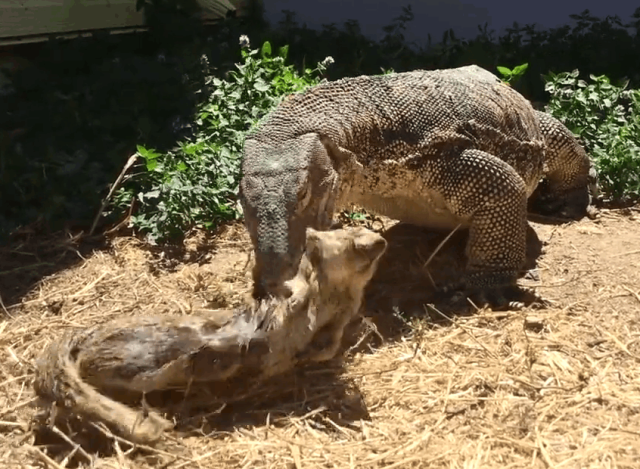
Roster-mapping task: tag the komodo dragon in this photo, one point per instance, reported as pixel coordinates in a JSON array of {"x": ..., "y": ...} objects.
[{"x": 437, "y": 148}]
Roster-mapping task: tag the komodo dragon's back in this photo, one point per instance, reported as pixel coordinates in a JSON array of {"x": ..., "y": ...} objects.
[
  {"x": 406, "y": 117},
  {"x": 434, "y": 148}
]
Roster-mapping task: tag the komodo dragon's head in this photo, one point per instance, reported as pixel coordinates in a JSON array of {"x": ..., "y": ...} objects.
[
  {"x": 286, "y": 187},
  {"x": 571, "y": 179},
  {"x": 556, "y": 197}
]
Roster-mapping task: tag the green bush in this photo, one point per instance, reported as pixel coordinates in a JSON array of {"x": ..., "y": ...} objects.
[
  {"x": 606, "y": 117},
  {"x": 195, "y": 184}
]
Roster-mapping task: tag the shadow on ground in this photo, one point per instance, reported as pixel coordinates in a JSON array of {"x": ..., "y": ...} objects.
[
  {"x": 29, "y": 259},
  {"x": 410, "y": 274}
]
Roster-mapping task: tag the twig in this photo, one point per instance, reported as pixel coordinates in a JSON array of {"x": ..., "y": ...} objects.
[
  {"x": 132, "y": 159},
  {"x": 124, "y": 221},
  {"x": 543, "y": 450},
  {"x": 621, "y": 345},
  {"x": 4, "y": 308},
  {"x": 371, "y": 328},
  {"x": 295, "y": 453},
  {"x": 11, "y": 424},
  {"x": 635, "y": 251},
  {"x": 404, "y": 462},
  {"x": 624, "y": 430},
  {"x": 90, "y": 285},
  {"x": 68, "y": 457},
  {"x": 403, "y": 449},
  {"x": 106, "y": 432},
  {"x": 439, "y": 246},
  {"x": 25, "y": 267},
  {"x": 204, "y": 416},
  {"x": 76, "y": 447},
  {"x": 43, "y": 457},
  {"x": 17, "y": 406},
  {"x": 197, "y": 459},
  {"x": 635, "y": 294}
]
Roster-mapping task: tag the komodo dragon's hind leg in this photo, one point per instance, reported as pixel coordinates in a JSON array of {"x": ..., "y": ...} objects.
[{"x": 488, "y": 191}]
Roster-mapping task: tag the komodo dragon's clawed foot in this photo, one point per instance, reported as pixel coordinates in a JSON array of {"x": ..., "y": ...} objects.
[{"x": 498, "y": 298}]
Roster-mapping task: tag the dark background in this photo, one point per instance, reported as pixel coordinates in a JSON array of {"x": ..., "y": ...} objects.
[{"x": 436, "y": 16}]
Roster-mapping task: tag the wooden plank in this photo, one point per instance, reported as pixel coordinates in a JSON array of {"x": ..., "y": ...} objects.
[
  {"x": 19, "y": 18},
  {"x": 35, "y": 17}
]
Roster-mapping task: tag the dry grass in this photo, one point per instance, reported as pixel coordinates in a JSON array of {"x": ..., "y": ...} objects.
[{"x": 557, "y": 387}]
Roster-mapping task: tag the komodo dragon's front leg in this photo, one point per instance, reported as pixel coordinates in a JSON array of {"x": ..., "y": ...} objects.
[{"x": 491, "y": 198}]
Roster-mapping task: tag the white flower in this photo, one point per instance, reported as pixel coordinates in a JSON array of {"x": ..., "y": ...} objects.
[
  {"x": 328, "y": 61},
  {"x": 244, "y": 41}
]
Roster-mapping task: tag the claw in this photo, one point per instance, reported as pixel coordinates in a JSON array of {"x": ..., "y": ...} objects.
[
  {"x": 498, "y": 292},
  {"x": 452, "y": 287},
  {"x": 509, "y": 298},
  {"x": 515, "y": 305}
]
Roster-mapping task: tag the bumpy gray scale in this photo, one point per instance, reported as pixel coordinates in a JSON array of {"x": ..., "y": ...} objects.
[{"x": 433, "y": 148}]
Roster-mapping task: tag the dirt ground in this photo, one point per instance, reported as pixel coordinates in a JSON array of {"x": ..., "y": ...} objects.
[{"x": 552, "y": 387}]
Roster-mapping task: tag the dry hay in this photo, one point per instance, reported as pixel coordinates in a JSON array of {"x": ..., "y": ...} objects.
[{"x": 557, "y": 387}]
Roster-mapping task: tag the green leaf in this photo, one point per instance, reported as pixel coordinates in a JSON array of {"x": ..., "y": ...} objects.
[
  {"x": 143, "y": 151},
  {"x": 225, "y": 153},
  {"x": 520, "y": 69},
  {"x": 504, "y": 71},
  {"x": 266, "y": 49},
  {"x": 152, "y": 164},
  {"x": 284, "y": 52},
  {"x": 261, "y": 86}
]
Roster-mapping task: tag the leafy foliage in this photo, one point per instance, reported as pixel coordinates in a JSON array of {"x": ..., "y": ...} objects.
[
  {"x": 195, "y": 183},
  {"x": 607, "y": 119}
]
